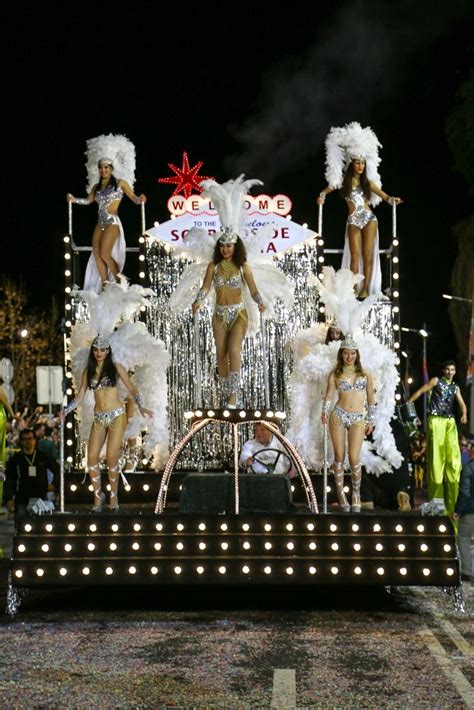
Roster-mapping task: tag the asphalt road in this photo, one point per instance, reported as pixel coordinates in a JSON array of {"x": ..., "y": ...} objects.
[{"x": 320, "y": 648}]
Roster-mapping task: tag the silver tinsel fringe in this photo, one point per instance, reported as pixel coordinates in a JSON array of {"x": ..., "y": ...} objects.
[{"x": 213, "y": 447}]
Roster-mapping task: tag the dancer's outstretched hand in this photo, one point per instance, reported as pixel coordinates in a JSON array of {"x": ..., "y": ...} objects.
[{"x": 146, "y": 412}]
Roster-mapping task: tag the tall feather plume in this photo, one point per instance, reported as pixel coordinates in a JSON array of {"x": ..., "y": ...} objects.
[{"x": 228, "y": 199}]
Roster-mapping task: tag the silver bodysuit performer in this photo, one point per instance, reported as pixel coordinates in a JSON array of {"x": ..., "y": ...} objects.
[
  {"x": 361, "y": 215},
  {"x": 360, "y": 218},
  {"x": 104, "y": 199}
]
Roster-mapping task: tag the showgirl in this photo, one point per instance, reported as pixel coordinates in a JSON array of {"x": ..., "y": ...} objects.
[
  {"x": 314, "y": 360},
  {"x": 355, "y": 388},
  {"x": 104, "y": 351},
  {"x": 107, "y": 153},
  {"x": 232, "y": 262},
  {"x": 351, "y": 165}
]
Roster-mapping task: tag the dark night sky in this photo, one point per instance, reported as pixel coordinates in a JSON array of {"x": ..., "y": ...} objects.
[{"x": 253, "y": 89}]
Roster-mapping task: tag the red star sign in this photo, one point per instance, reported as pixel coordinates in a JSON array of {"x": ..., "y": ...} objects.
[{"x": 185, "y": 178}]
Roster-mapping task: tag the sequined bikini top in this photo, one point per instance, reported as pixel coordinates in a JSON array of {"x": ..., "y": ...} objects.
[
  {"x": 105, "y": 197},
  {"x": 360, "y": 383},
  {"x": 357, "y": 196},
  {"x": 103, "y": 383},
  {"x": 233, "y": 281}
]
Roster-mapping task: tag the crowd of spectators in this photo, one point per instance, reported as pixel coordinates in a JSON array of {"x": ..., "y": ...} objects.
[{"x": 45, "y": 425}]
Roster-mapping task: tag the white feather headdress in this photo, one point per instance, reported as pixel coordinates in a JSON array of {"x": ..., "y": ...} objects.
[
  {"x": 228, "y": 199},
  {"x": 119, "y": 149},
  {"x": 346, "y": 143}
]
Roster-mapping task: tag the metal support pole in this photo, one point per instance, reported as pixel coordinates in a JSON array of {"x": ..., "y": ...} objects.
[
  {"x": 236, "y": 468},
  {"x": 61, "y": 466},
  {"x": 142, "y": 211},
  {"x": 425, "y": 395},
  {"x": 197, "y": 359},
  {"x": 320, "y": 220},
  {"x": 69, "y": 219},
  {"x": 325, "y": 469},
  {"x": 263, "y": 333}
]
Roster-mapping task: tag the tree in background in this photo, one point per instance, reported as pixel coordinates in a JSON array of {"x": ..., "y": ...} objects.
[
  {"x": 460, "y": 133},
  {"x": 29, "y": 336}
]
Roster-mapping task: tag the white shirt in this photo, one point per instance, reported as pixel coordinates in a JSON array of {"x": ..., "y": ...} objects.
[{"x": 251, "y": 447}]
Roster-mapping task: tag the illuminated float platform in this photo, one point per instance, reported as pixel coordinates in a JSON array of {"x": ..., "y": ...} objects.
[
  {"x": 170, "y": 548},
  {"x": 146, "y": 544}
]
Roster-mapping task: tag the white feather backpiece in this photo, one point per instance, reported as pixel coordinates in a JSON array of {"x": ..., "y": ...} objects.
[
  {"x": 347, "y": 142},
  {"x": 313, "y": 362},
  {"x": 337, "y": 292},
  {"x": 197, "y": 245},
  {"x": 121, "y": 152},
  {"x": 136, "y": 350}
]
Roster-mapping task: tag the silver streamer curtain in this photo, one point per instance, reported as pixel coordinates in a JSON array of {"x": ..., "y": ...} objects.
[{"x": 212, "y": 448}]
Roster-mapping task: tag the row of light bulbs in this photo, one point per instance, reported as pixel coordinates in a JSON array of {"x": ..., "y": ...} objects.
[
  {"x": 224, "y": 527},
  {"x": 246, "y": 545},
  {"x": 257, "y": 413},
  {"x": 396, "y": 310},
  {"x": 245, "y": 569}
]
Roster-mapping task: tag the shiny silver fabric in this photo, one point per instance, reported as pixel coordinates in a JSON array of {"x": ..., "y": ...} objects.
[
  {"x": 227, "y": 314},
  {"x": 104, "y": 198},
  {"x": 362, "y": 215},
  {"x": 359, "y": 385},
  {"x": 214, "y": 444},
  {"x": 106, "y": 419},
  {"x": 348, "y": 418},
  {"x": 234, "y": 281},
  {"x": 102, "y": 384}
]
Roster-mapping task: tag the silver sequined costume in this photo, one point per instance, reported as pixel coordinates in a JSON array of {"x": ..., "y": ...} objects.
[
  {"x": 108, "y": 419},
  {"x": 360, "y": 218},
  {"x": 346, "y": 418},
  {"x": 227, "y": 314},
  {"x": 105, "y": 419},
  {"x": 104, "y": 198}
]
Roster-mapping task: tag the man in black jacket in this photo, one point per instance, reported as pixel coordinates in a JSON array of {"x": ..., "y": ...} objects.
[{"x": 27, "y": 475}]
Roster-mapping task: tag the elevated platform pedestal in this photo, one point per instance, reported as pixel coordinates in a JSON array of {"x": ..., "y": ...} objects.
[{"x": 269, "y": 549}]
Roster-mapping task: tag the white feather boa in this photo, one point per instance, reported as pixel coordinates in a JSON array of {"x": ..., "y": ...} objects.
[{"x": 337, "y": 292}]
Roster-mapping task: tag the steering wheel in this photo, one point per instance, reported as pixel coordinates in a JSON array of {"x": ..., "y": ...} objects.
[{"x": 271, "y": 466}]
